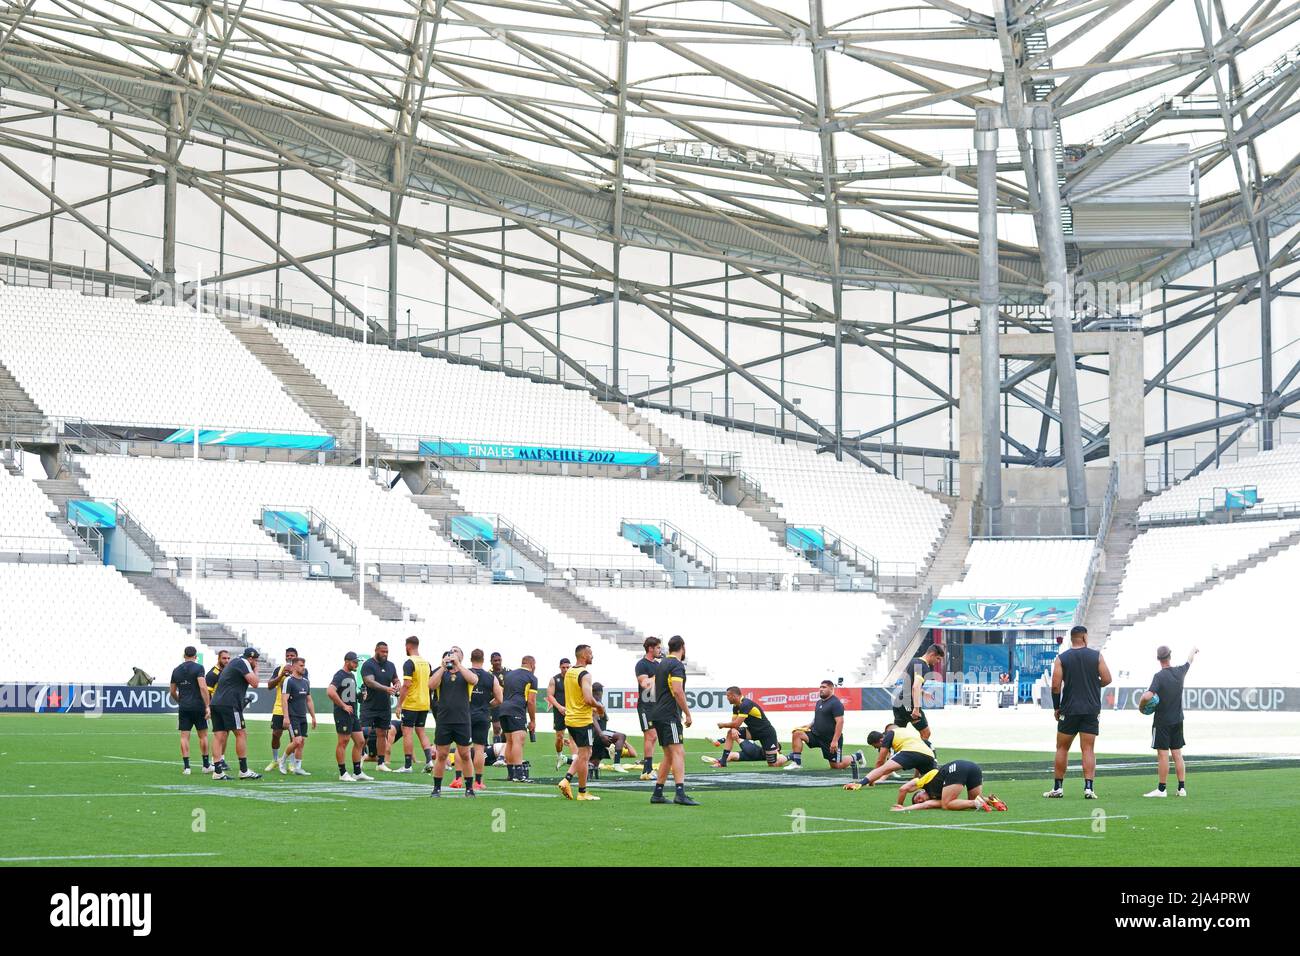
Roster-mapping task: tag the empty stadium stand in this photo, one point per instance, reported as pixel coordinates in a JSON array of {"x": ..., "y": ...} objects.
[{"x": 1030, "y": 568}]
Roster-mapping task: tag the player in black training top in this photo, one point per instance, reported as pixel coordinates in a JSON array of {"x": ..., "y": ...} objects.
[
  {"x": 744, "y": 711},
  {"x": 276, "y": 683},
  {"x": 190, "y": 691},
  {"x": 555, "y": 700},
  {"x": 228, "y": 714},
  {"x": 670, "y": 712},
  {"x": 452, "y": 685},
  {"x": 298, "y": 706},
  {"x": 498, "y": 671},
  {"x": 483, "y": 701},
  {"x": 825, "y": 733},
  {"x": 910, "y": 693},
  {"x": 518, "y": 712},
  {"x": 379, "y": 685},
  {"x": 646, "y": 667},
  {"x": 940, "y": 789},
  {"x": 342, "y": 692},
  {"x": 1078, "y": 675},
  {"x": 1167, "y": 726}
]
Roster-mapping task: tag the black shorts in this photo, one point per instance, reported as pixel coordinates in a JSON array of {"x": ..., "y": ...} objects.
[
  {"x": 599, "y": 749},
  {"x": 643, "y": 717},
  {"x": 480, "y": 731},
  {"x": 513, "y": 725},
  {"x": 1167, "y": 736},
  {"x": 1071, "y": 724},
  {"x": 967, "y": 774},
  {"x": 277, "y": 723},
  {"x": 771, "y": 746},
  {"x": 557, "y": 720},
  {"x": 749, "y": 750},
  {"x": 414, "y": 718},
  {"x": 911, "y": 760},
  {"x": 582, "y": 736},
  {"x": 298, "y": 726},
  {"x": 824, "y": 745},
  {"x": 444, "y": 735},
  {"x": 345, "y": 724},
  {"x": 191, "y": 720},
  {"x": 903, "y": 717},
  {"x": 668, "y": 731},
  {"x": 373, "y": 723},
  {"x": 227, "y": 718}
]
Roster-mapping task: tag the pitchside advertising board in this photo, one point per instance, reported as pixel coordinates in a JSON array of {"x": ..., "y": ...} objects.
[{"x": 88, "y": 699}]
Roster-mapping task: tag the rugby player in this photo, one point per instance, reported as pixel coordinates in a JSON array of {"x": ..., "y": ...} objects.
[
  {"x": 228, "y": 714},
  {"x": 413, "y": 706},
  {"x": 498, "y": 671},
  {"x": 645, "y": 680},
  {"x": 297, "y": 705},
  {"x": 900, "y": 748},
  {"x": 555, "y": 700},
  {"x": 278, "y": 677},
  {"x": 826, "y": 732},
  {"x": 739, "y": 745},
  {"x": 754, "y": 718},
  {"x": 607, "y": 744},
  {"x": 1167, "y": 725},
  {"x": 379, "y": 685},
  {"x": 1078, "y": 675},
  {"x": 483, "y": 701},
  {"x": 518, "y": 715},
  {"x": 911, "y": 692},
  {"x": 940, "y": 789},
  {"x": 342, "y": 692},
  {"x": 670, "y": 712},
  {"x": 452, "y": 684},
  {"x": 580, "y": 710},
  {"x": 214, "y": 672},
  {"x": 193, "y": 707}
]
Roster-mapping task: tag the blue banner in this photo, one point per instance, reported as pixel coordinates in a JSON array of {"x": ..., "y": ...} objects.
[
  {"x": 640, "y": 534},
  {"x": 573, "y": 456},
  {"x": 216, "y": 436},
  {"x": 278, "y": 522},
  {"x": 93, "y": 514},
  {"x": 1002, "y": 614},
  {"x": 805, "y": 539},
  {"x": 470, "y": 528}
]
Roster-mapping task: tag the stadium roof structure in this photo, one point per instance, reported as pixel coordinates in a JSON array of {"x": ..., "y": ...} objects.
[{"x": 828, "y": 139}]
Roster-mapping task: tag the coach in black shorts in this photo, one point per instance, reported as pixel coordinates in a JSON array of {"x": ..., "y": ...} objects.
[
  {"x": 1167, "y": 726},
  {"x": 452, "y": 685}
]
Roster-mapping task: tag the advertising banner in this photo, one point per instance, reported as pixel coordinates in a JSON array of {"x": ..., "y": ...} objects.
[
  {"x": 573, "y": 456},
  {"x": 1002, "y": 614},
  {"x": 1236, "y": 699},
  {"x": 214, "y": 436}
]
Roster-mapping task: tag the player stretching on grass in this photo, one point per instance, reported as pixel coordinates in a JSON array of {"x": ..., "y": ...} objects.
[
  {"x": 1078, "y": 675},
  {"x": 739, "y": 745},
  {"x": 940, "y": 789},
  {"x": 901, "y": 748},
  {"x": 745, "y": 712},
  {"x": 825, "y": 733}
]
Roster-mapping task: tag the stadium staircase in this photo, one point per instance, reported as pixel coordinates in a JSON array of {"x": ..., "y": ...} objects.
[
  {"x": 669, "y": 450},
  {"x": 61, "y": 489},
  {"x": 324, "y": 407},
  {"x": 19, "y": 415},
  {"x": 595, "y": 620},
  {"x": 1210, "y": 582},
  {"x": 947, "y": 567},
  {"x": 1098, "y": 616},
  {"x": 378, "y": 603}
]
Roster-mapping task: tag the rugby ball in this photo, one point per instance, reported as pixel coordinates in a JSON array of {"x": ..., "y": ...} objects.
[{"x": 1150, "y": 706}]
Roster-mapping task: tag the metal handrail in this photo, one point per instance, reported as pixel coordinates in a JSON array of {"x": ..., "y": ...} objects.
[
  {"x": 674, "y": 537},
  {"x": 1099, "y": 544}
]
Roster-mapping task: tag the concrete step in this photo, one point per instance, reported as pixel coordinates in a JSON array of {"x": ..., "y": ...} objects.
[{"x": 378, "y": 603}]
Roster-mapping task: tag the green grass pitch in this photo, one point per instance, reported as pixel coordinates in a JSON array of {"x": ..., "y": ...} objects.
[{"x": 109, "y": 792}]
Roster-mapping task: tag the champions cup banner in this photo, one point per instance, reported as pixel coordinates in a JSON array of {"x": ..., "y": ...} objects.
[
  {"x": 94, "y": 699},
  {"x": 571, "y": 456},
  {"x": 1237, "y": 699},
  {"x": 1002, "y": 614}
]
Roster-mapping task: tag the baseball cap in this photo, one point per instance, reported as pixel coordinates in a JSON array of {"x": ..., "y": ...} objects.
[
  {"x": 250, "y": 653},
  {"x": 350, "y": 656}
]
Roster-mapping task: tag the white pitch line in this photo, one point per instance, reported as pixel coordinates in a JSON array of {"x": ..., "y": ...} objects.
[
  {"x": 986, "y": 826},
  {"x": 960, "y": 826},
  {"x": 43, "y": 796},
  {"x": 165, "y": 763},
  {"x": 101, "y": 856}
]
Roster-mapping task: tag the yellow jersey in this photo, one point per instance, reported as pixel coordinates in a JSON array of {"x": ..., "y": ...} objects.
[
  {"x": 278, "y": 709},
  {"x": 907, "y": 739},
  {"x": 577, "y": 712},
  {"x": 417, "y": 670}
]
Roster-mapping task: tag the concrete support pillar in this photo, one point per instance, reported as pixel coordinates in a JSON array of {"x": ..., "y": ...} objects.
[
  {"x": 986, "y": 149},
  {"x": 1052, "y": 243}
]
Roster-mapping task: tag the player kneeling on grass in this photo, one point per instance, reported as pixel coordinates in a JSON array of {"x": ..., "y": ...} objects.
[
  {"x": 940, "y": 789},
  {"x": 901, "y": 748},
  {"x": 342, "y": 691},
  {"x": 297, "y": 705},
  {"x": 744, "y": 712},
  {"x": 606, "y": 744},
  {"x": 738, "y": 747}
]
